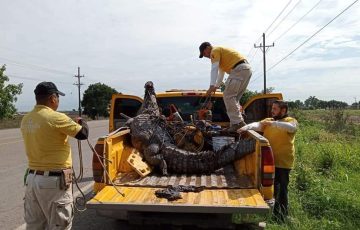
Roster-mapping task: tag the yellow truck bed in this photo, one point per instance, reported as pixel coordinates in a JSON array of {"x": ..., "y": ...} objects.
[{"x": 232, "y": 189}]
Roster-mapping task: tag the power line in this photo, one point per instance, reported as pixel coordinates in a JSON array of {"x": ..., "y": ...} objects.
[
  {"x": 254, "y": 79},
  {"x": 36, "y": 67},
  {"x": 318, "y": 31},
  {"x": 253, "y": 56},
  {"x": 278, "y": 16},
  {"x": 257, "y": 40},
  {"x": 293, "y": 25},
  {"x": 33, "y": 79},
  {"x": 290, "y": 11}
]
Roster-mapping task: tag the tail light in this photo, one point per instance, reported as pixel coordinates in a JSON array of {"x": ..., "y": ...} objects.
[
  {"x": 98, "y": 170},
  {"x": 267, "y": 166}
]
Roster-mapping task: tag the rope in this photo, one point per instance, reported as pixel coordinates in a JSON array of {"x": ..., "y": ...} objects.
[
  {"x": 80, "y": 202},
  {"x": 102, "y": 164},
  {"x": 207, "y": 98},
  {"x": 81, "y": 167}
]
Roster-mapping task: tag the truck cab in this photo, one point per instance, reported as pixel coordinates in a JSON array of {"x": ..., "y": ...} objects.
[{"x": 188, "y": 101}]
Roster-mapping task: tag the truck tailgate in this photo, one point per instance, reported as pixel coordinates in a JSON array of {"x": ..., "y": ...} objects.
[{"x": 206, "y": 201}]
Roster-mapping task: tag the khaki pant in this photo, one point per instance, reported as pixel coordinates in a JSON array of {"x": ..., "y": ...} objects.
[
  {"x": 46, "y": 206},
  {"x": 235, "y": 87}
]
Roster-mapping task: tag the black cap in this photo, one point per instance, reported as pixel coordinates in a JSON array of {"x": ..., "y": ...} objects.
[
  {"x": 202, "y": 47},
  {"x": 47, "y": 88}
]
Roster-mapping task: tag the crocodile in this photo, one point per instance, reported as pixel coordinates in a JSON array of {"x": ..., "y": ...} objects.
[{"x": 150, "y": 135}]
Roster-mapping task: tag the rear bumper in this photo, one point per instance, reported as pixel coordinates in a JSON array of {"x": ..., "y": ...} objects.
[
  {"x": 202, "y": 220},
  {"x": 108, "y": 206}
]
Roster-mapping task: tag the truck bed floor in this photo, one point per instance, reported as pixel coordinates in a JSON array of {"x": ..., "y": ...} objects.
[{"x": 223, "y": 178}]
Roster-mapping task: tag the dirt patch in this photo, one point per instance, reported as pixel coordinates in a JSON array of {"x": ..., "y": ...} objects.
[{"x": 354, "y": 119}]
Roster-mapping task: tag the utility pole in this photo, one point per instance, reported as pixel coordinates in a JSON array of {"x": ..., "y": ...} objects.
[
  {"x": 356, "y": 103},
  {"x": 262, "y": 47},
  {"x": 79, "y": 86}
]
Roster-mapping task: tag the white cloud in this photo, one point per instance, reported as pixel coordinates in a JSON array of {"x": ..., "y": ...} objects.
[{"x": 125, "y": 43}]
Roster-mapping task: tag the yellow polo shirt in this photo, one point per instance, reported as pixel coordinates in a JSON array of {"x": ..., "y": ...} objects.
[
  {"x": 226, "y": 57},
  {"x": 45, "y": 133},
  {"x": 282, "y": 144}
]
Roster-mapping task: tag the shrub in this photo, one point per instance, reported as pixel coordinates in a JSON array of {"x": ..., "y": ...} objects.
[{"x": 326, "y": 159}]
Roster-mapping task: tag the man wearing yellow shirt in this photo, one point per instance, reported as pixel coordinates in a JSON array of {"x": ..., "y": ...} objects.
[
  {"x": 233, "y": 63},
  {"x": 48, "y": 196},
  {"x": 280, "y": 131}
]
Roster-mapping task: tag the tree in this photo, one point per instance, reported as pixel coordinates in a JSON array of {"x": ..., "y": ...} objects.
[
  {"x": 355, "y": 105},
  {"x": 311, "y": 102},
  {"x": 247, "y": 95},
  {"x": 96, "y": 100},
  {"x": 268, "y": 90},
  {"x": 295, "y": 104},
  {"x": 322, "y": 104},
  {"x": 333, "y": 104},
  {"x": 8, "y": 95}
]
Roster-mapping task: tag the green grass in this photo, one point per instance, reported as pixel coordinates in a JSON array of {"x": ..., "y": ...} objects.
[{"x": 324, "y": 185}]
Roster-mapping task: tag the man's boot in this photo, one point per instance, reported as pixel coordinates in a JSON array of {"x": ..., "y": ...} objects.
[{"x": 234, "y": 128}]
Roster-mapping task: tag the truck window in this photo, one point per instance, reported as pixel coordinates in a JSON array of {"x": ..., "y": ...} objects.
[
  {"x": 188, "y": 105},
  {"x": 259, "y": 109},
  {"x": 126, "y": 106}
]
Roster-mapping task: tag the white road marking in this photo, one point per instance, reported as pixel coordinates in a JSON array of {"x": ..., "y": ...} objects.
[
  {"x": 85, "y": 189},
  {"x": 12, "y": 142},
  {"x": 6, "y": 138}
]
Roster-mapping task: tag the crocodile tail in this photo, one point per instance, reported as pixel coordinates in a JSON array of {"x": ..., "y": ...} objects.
[
  {"x": 182, "y": 161},
  {"x": 244, "y": 147}
]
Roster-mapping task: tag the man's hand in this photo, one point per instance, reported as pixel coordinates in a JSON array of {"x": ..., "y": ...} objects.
[
  {"x": 79, "y": 120},
  {"x": 266, "y": 123},
  {"x": 211, "y": 90},
  {"x": 242, "y": 130}
]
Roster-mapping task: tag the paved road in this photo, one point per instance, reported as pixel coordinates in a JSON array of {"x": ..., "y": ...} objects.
[{"x": 13, "y": 164}]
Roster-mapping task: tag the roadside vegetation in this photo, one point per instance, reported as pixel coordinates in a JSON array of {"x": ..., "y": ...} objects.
[
  {"x": 8, "y": 95},
  {"x": 10, "y": 123},
  {"x": 324, "y": 184},
  {"x": 15, "y": 121}
]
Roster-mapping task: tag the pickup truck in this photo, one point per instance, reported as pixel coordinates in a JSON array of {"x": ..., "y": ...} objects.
[{"x": 238, "y": 193}]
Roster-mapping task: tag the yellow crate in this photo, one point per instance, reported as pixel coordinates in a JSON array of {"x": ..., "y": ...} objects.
[{"x": 136, "y": 162}]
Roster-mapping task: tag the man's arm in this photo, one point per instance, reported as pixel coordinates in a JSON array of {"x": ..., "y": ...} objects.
[
  {"x": 220, "y": 78},
  {"x": 257, "y": 126},
  {"x": 216, "y": 77},
  {"x": 84, "y": 131},
  {"x": 290, "y": 127},
  {"x": 214, "y": 73}
]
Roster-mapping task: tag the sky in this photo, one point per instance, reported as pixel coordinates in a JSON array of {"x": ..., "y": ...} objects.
[{"x": 123, "y": 44}]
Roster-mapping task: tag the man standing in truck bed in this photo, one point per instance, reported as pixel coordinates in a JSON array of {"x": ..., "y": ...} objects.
[
  {"x": 229, "y": 61},
  {"x": 48, "y": 196},
  {"x": 280, "y": 131}
]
